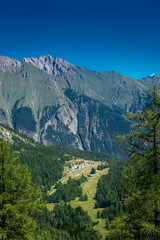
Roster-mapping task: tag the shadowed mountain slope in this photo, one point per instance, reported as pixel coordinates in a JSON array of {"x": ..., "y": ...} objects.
[{"x": 56, "y": 102}]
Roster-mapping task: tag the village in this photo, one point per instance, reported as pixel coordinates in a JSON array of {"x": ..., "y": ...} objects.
[{"x": 79, "y": 166}]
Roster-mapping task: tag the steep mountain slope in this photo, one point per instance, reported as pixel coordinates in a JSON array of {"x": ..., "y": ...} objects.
[
  {"x": 106, "y": 87},
  {"x": 150, "y": 80},
  {"x": 88, "y": 124},
  {"x": 56, "y": 102},
  {"x": 23, "y": 98}
]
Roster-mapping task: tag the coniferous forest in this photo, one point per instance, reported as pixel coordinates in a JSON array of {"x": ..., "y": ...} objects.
[
  {"x": 132, "y": 201},
  {"x": 129, "y": 194}
]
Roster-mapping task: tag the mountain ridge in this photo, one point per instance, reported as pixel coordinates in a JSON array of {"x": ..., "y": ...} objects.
[
  {"x": 56, "y": 102},
  {"x": 98, "y": 85}
]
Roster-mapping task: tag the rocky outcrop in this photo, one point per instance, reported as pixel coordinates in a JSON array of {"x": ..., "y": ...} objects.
[
  {"x": 56, "y": 102},
  {"x": 53, "y": 66},
  {"x": 106, "y": 87},
  {"x": 10, "y": 65}
]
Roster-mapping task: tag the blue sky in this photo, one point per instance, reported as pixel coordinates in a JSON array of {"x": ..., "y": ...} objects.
[{"x": 123, "y": 36}]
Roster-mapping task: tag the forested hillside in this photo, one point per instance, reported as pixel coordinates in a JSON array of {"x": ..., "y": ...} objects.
[
  {"x": 130, "y": 192},
  {"x": 46, "y": 165},
  {"x": 45, "y": 162},
  {"x": 127, "y": 197}
]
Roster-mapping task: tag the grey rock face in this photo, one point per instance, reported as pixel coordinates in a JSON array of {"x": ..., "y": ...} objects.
[
  {"x": 35, "y": 99},
  {"x": 106, "y": 87},
  {"x": 53, "y": 66},
  {"x": 10, "y": 65}
]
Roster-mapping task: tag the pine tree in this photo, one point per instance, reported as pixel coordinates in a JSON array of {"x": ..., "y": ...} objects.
[
  {"x": 19, "y": 199},
  {"x": 93, "y": 171},
  {"x": 142, "y": 219}
]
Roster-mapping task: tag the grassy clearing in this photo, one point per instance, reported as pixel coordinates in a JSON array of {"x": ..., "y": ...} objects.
[
  {"x": 78, "y": 173},
  {"x": 89, "y": 188}
]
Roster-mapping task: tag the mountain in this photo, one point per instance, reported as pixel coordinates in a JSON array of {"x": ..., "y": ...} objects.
[
  {"x": 106, "y": 87},
  {"x": 56, "y": 102},
  {"x": 150, "y": 80}
]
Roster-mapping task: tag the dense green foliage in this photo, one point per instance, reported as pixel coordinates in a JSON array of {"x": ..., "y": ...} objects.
[
  {"x": 46, "y": 228},
  {"x": 83, "y": 197},
  {"x": 75, "y": 221},
  {"x": 19, "y": 199},
  {"x": 67, "y": 192},
  {"x": 110, "y": 192},
  {"x": 65, "y": 223},
  {"x": 22, "y": 214},
  {"x": 93, "y": 170},
  {"x": 46, "y": 163},
  {"x": 142, "y": 217},
  {"x": 46, "y": 166},
  {"x": 23, "y": 118},
  {"x": 102, "y": 166}
]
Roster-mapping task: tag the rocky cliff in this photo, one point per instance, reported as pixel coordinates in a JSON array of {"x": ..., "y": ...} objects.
[{"x": 56, "y": 102}]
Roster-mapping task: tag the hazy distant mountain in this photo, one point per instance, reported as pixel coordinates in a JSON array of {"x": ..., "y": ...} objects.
[
  {"x": 56, "y": 102},
  {"x": 150, "y": 80}
]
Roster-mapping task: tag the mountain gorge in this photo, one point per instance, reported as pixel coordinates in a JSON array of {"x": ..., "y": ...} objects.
[{"x": 58, "y": 103}]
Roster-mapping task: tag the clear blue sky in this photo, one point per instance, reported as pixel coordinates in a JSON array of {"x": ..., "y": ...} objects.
[{"x": 119, "y": 35}]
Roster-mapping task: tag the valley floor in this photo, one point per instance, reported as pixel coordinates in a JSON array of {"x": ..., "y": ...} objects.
[{"x": 89, "y": 188}]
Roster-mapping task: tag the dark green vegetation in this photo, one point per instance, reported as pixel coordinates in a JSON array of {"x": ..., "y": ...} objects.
[
  {"x": 110, "y": 192},
  {"x": 46, "y": 162},
  {"x": 83, "y": 197},
  {"x": 102, "y": 166},
  {"x": 23, "y": 119},
  {"x": 75, "y": 221},
  {"x": 72, "y": 224},
  {"x": 142, "y": 218},
  {"x": 22, "y": 211},
  {"x": 131, "y": 195},
  {"x": 93, "y": 171},
  {"x": 134, "y": 195},
  {"x": 19, "y": 199},
  {"x": 67, "y": 192}
]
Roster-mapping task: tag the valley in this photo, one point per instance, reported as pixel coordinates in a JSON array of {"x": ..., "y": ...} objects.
[
  {"x": 89, "y": 188},
  {"x": 62, "y": 124},
  {"x": 79, "y": 120}
]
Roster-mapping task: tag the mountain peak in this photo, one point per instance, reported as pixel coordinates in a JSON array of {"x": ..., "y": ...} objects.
[
  {"x": 153, "y": 75},
  {"x": 49, "y": 64},
  {"x": 9, "y": 64},
  {"x": 46, "y": 57}
]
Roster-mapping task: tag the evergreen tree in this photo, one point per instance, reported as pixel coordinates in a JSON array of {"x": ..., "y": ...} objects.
[
  {"x": 142, "y": 218},
  {"x": 93, "y": 171},
  {"x": 19, "y": 200}
]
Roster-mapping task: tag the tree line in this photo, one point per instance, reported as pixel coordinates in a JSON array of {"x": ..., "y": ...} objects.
[
  {"x": 68, "y": 191},
  {"x": 23, "y": 214},
  {"x": 131, "y": 194},
  {"x": 131, "y": 204}
]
